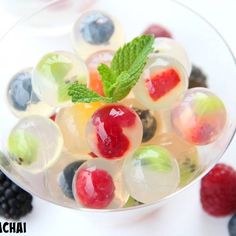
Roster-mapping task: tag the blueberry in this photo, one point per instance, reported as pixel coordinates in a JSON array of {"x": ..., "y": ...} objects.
[
  {"x": 66, "y": 178},
  {"x": 20, "y": 91},
  {"x": 149, "y": 124},
  {"x": 97, "y": 28},
  {"x": 232, "y": 226},
  {"x": 197, "y": 78}
]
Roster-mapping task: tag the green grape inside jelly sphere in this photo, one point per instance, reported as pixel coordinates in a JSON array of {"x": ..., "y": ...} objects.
[
  {"x": 53, "y": 75},
  {"x": 151, "y": 173},
  {"x": 35, "y": 143}
]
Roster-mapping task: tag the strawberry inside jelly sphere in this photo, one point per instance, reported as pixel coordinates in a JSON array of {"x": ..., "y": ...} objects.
[
  {"x": 114, "y": 131},
  {"x": 94, "y": 188},
  {"x": 200, "y": 118},
  {"x": 98, "y": 184},
  {"x": 162, "y": 83}
]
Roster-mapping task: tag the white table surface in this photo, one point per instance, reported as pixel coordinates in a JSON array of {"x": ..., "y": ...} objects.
[{"x": 182, "y": 217}]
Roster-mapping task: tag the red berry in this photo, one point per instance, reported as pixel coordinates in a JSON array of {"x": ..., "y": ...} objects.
[
  {"x": 109, "y": 122},
  {"x": 218, "y": 191},
  {"x": 158, "y": 31},
  {"x": 53, "y": 117},
  {"x": 161, "y": 83},
  {"x": 94, "y": 188}
]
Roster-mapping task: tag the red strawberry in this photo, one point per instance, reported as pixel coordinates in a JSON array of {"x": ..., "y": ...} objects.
[
  {"x": 157, "y": 31},
  {"x": 218, "y": 191},
  {"x": 162, "y": 83}
]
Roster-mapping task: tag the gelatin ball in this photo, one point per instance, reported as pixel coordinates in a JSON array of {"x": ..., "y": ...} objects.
[
  {"x": 35, "y": 143},
  {"x": 171, "y": 48},
  {"x": 185, "y": 153},
  {"x": 114, "y": 131},
  {"x": 95, "y": 31},
  {"x": 101, "y": 57},
  {"x": 53, "y": 75},
  {"x": 158, "y": 31},
  {"x": 200, "y": 118},
  {"x": 153, "y": 122},
  {"x": 162, "y": 83},
  {"x": 72, "y": 122},
  {"x": 98, "y": 183},
  {"x": 151, "y": 173},
  {"x": 22, "y": 99}
]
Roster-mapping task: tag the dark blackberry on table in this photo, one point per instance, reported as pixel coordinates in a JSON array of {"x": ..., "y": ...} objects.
[
  {"x": 197, "y": 78},
  {"x": 14, "y": 201}
]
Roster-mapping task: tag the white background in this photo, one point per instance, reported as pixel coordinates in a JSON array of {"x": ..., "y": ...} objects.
[{"x": 181, "y": 217}]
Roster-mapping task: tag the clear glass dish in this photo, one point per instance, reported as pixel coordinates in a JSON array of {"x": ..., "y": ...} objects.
[{"x": 21, "y": 48}]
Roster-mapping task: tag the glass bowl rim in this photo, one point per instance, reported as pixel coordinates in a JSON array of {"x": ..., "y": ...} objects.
[{"x": 146, "y": 205}]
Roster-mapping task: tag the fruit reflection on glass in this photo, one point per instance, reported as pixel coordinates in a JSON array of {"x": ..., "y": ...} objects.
[{"x": 125, "y": 128}]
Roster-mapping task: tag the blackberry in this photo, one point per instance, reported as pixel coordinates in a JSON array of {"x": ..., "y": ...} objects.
[
  {"x": 14, "y": 201},
  {"x": 149, "y": 124},
  {"x": 197, "y": 78}
]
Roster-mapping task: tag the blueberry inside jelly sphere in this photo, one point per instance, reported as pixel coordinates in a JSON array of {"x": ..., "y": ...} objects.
[
  {"x": 21, "y": 97},
  {"x": 97, "y": 28},
  {"x": 151, "y": 173},
  {"x": 162, "y": 83},
  {"x": 200, "y": 118},
  {"x": 98, "y": 183},
  {"x": 66, "y": 178},
  {"x": 94, "y": 31},
  {"x": 35, "y": 143},
  {"x": 53, "y": 75},
  {"x": 114, "y": 131}
]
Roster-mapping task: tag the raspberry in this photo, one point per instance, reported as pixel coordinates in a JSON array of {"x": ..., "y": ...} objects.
[
  {"x": 218, "y": 191},
  {"x": 94, "y": 188},
  {"x": 158, "y": 31}
]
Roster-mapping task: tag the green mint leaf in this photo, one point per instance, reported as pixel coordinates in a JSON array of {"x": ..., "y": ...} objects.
[
  {"x": 108, "y": 79},
  {"x": 128, "y": 64},
  {"x": 132, "y": 54},
  {"x": 126, "y": 67},
  {"x": 80, "y": 93},
  {"x": 122, "y": 86}
]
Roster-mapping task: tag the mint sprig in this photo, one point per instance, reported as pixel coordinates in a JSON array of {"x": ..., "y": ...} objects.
[{"x": 126, "y": 67}]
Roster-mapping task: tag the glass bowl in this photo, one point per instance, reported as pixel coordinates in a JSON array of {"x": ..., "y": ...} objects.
[{"x": 22, "y": 47}]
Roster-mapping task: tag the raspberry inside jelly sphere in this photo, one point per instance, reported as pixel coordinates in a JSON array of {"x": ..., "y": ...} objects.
[
  {"x": 98, "y": 183},
  {"x": 114, "y": 131},
  {"x": 200, "y": 118},
  {"x": 94, "y": 188}
]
